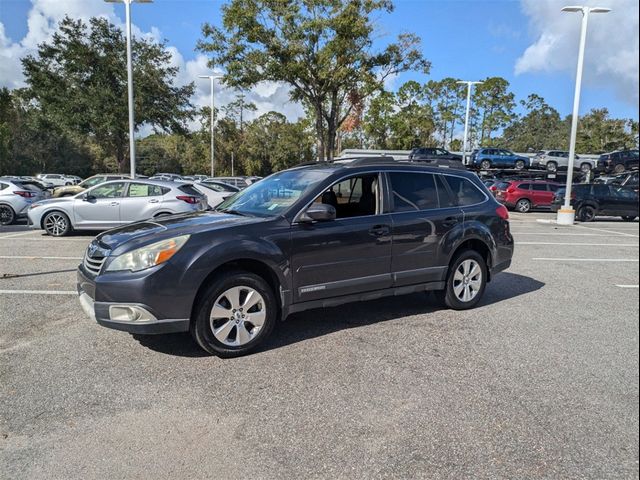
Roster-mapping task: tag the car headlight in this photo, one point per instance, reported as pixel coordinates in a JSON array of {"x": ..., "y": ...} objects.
[{"x": 149, "y": 256}]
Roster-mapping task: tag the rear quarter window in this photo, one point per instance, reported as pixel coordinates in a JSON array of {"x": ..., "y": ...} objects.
[{"x": 463, "y": 192}]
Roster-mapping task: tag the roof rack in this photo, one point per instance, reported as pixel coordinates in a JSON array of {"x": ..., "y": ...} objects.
[{"x": 351, "y": 161}]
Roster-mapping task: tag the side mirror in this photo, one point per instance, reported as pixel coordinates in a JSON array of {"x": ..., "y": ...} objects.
[
  {"x": 318, "y": 212},
  {"x": 87, "y": 197}
]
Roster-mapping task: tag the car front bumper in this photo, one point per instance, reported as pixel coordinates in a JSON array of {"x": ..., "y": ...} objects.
[{"x": 127, "y": 316}]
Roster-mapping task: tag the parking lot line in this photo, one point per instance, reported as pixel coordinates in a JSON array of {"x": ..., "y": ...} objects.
[
  {"x": 21, "y": 234},
  {"x": 608, "y": 231},
  {"x": 38, "y": 292},
  {"x": 545, "y": 234},
  {"x": 627, "y": 286},
  {"x": 580, "y": 244},
  {"x": 565, "y": 259},
  {"x": 30, "y": 257},
  {"x": 45, "y": 239}
]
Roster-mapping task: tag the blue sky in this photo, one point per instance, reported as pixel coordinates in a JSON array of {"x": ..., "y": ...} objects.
[{"x": 466, "y": 39}]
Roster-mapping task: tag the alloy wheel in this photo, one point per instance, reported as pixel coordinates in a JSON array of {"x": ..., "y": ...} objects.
[
  {"x": 523, "y": 206},
  {"x": 237, "y": 316},
  {"x": 467, "y": 280},
  {"x": 520, "y": 165},
  {"x": 485, "y": 164},
  {"x": 552, "y": 167},
  {"x": 6, "y": 215},
  {"x": 56, "y": 224}
]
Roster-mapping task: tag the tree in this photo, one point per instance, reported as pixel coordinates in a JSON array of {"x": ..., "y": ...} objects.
[
  {"x": 412, "y": 124},
  {"x": 377, "y": 120},
  {"x": 495, "y": 105},
  {"x": 598, "y": 133},
  {"x": 541, "y": 127},
  {"x": 446, "y": 98},
  {"x": 323, "y": 49},
  {"x": 78, "y": 80}
]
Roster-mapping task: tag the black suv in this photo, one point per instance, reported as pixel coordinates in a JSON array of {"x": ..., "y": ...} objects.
[
  {"x": 434, "y": 155},
  {"x": 591, "y": 200},
  {"x": 618, "y": 161},
  {"x": 313, "y": 236}
]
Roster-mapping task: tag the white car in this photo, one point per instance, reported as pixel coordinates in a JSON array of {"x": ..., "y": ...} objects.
[
  {"x": 56, "y": 179},
  {"x": 554, "y": 160},
  {"x": 215, "y": 192}
]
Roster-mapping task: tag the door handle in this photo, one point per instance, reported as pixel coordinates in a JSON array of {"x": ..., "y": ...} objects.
[
  {"x": 379, "y": 230},
  {"x": 154, "y": 200},
  {"x": 449, "y": 222},
  {"x": 115, "y": 204}
]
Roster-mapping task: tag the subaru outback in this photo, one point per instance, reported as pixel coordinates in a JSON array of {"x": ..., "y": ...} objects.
[{"x": 312, "y": 236}]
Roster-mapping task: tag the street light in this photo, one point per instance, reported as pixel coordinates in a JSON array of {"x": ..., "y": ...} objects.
[
  {"x": 132, "y": 142},
  {"x": 213, "y": 155},
  {"x": 566, "y": 215},
  {"x": 469, "y": 85}
]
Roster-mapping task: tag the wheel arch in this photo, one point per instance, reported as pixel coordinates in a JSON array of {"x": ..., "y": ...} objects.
[
  {"x": 54, "y": 210},
  {"x": 479, "y": 243}
]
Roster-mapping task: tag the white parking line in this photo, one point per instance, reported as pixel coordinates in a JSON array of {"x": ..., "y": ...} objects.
[
  {"x": 38, "y": 292},
  {"x": 21, "y": 234},
  {"x": 29, "y": 257},
  {"x": 627, "y": 286},
  {"x": 46, "y": 238},
  {"x": 607, "y": 231},
  {"x": 632, "y": 260},
  {"x": 581, "y": 244},
  {"x": 545, "y": 234}
]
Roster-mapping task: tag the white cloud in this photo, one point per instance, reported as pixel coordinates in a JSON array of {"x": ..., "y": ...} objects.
[
  {"x": 611, "y": 58},
  {"x": 44, "y": 16}
]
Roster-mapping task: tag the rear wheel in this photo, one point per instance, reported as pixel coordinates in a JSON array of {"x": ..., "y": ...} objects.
[
  {"x": 466, "y": 281},
  {"x": 552, "y": 166},
  {"x": 56, "y": 224},
  {"x": 523, "y": 205},
  {"x": 485, "y": 164},
  {"x": 628, "y": 218},
  {"x": 236, "y": 313},
  {"x": 7, "y": 215},
  {"x": 619, "y": 168},
  {"x": 520, "y": 164},
  {"x": 585, "y": 167},
  {"x": 586, "y": 213}
]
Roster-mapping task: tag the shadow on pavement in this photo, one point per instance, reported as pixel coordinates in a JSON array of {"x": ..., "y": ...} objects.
[{"x": 315, "y": 323}]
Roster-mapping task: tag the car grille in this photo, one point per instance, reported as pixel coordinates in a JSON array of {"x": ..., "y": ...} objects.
[{"x": 93, "y": 265}]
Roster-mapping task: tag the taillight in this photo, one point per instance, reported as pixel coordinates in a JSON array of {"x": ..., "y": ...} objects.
[
  {"x": 24, "y": 194},
  {"x": 188, "y": 199},
  {"x": 502, "y": 212},
  {"x": 493, "y": 188},
  {"x": 511, "y": 190}
]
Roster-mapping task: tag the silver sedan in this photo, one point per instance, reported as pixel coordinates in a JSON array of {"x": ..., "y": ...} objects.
[{"x": 114, "y": 203}]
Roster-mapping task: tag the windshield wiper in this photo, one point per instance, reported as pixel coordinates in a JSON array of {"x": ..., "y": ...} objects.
[{"x": 233, "y": 212}]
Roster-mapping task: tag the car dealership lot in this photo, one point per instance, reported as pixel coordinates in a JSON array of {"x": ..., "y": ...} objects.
[{"x": 540, "y": 381}]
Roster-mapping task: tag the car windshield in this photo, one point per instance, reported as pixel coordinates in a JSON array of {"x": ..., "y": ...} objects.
[
  {"x": 90, "y": 182},
  {"x": 274, "y": 194}
]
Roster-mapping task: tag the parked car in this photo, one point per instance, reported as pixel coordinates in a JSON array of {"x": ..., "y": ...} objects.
[
  {"x": 239, "y": 182},
  {"x": 194, "y": 178},
  {"x": 627, "y": 180},
  {"x": 486, "y": 158},
  {"x": 114, "y": 203},
  {"x": 554, "y": 160},
  {"x": 69, "y": 191},
  {"x": 55, "y": 179},
  {"x": 74, "y": 178},
  {"x": 433, "y": 154},
  {"x": 16, "y": 196},
  {"x": 525, "y": 195},
  {"x": 303, "y": 238},
  {"x": 215, "y": 192},
  {"x": 169, "y": 177},
  {"x": 618, "y": 161},
  {"x": 592, "y": 200}
]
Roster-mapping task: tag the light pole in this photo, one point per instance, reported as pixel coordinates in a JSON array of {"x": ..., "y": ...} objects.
[
  {"x": 566, "y": 215},
  {"x": 469, "y": 85},
  {"x": 212, "y": 127},
  {"x": 132, "y": 140}
]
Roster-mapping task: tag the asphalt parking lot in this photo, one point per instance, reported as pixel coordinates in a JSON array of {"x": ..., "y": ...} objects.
[{"x": 540, "y": 381}]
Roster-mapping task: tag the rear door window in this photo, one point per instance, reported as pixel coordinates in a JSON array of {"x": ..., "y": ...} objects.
[
  {"x": 413, "y": 192},
  {"x": 144, "y": 190},
  {"x": 538, "y": 187},
  {"x": 464, "y": 192}
]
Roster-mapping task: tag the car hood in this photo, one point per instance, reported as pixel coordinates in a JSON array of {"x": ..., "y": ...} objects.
[
  {"x": 55, "y": 201},
  {"x": 135, "y": 235}
]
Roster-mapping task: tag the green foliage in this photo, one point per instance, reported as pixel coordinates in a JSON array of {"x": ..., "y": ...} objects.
[
  {"x": 494, "y": 107},
  {"x": 78, "y": 80},
  {"x": 321, "y": 48},
  {"x": 541, "y": 127}
]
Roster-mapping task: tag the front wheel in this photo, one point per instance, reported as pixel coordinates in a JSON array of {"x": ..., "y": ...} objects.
[
  {"x": 236, "y": 313},
  {"x": 586, "y": 213},
  {"x": 56, "y": 224},
  {"x": 552, "y": 167},
  {"x": 466, "y": 281},
  {"x": 7, "y": 215},
  {"x": 585, "y": 167},
  {"x": 485, "y": 164},
  {"x": 619, "y": 168}
]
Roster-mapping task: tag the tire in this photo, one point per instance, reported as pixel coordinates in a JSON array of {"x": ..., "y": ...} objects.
[
  {"x": 552, "y": 167},
  {"x": 453, "y": 296},
  {"x": 586, "y": 213},
  {"x": 68, "y": 184},
  {"x": 585, "y": 167},
  {"x": 628, "y": 218},
  {"x": 619, "y": 168},
  {"x": 56, "y": 224},
  {"x": 523, "y": 206},
  {"x": 235, "y": 335},
  {"x": 7, "y": 215},
  {"x": 520, "y": 165},
  {"x": 485, "y": 164}
]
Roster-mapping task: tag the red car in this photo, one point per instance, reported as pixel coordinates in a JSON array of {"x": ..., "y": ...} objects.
[{"x": 523, "y": 195}]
